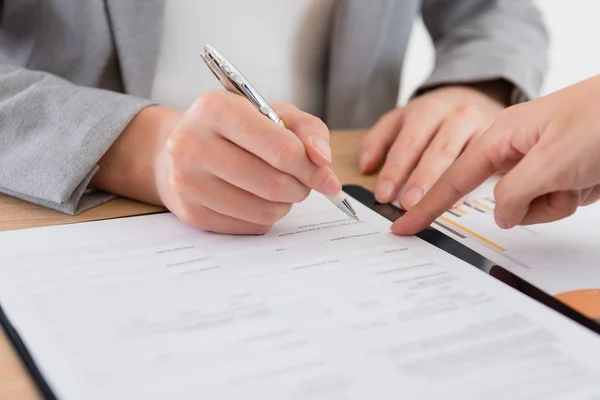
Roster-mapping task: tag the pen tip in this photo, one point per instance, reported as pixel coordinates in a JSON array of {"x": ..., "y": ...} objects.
[{"x": 356, "y": 218}]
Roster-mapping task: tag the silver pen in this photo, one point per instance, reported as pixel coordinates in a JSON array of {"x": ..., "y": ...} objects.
[{"x": 232, "y": 79}]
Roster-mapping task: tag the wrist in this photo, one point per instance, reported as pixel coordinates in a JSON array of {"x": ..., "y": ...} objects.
[
  {"x": 158, "y": 124},
  {"x": 128, "y": 168},
  {"x": 499, "y": 90}
]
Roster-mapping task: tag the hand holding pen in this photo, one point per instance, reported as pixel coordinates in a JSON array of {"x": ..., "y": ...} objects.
[
  {"x": 317, "y": 146},
  {"x": 222, "y": 166}
]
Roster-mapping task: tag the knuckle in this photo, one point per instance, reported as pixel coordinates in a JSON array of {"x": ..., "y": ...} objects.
[
  {"x": 422, "y": 178},
  {"x": 276, "y": 187},
  {"x": 273, "y": 212},
  {"x": 431, "y": 105},
  {"x": 447, "y": 149},
  {"x": 455, "y": 192},
  {"x": 268, "y": 215},
  {"x": 409, "y": 141},
  {"x": 187, "y": 144},
  {"x": 175, "y": 148},
  {"x": 314, "y": 126},
  {"x": 502, "y": 197},
  {"x": 261, "y": 229},
  {"x": 318, "y": 178},
  {"x": 176, "y": 180},
  {"x": 392, "y": 169},
  {"x": 467, "y": 112},
  {"x": 207, "y": 106},
  {"x": 499, "y": 149},
  {"x": 304, "y": 194},
  {"x": 289, "y": 153},
  {"x": 513, "y": 132},
  {"x": 192, "y": 216},
  {"x": 284, "y": 209}
]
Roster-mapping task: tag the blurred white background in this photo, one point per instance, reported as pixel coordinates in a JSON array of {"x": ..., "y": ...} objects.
[{"x": 574, "y": 54}]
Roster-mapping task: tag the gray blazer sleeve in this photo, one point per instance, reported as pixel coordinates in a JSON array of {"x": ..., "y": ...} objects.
[
  {"x": 481, "y": 40},
  {"x": 52, "y": 134}
]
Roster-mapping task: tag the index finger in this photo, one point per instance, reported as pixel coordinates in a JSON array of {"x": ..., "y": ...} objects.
[
  {"x": 311, "y": 130},
  {"x": 236, "y": 120},
  {"x": 473, "y": 168}
]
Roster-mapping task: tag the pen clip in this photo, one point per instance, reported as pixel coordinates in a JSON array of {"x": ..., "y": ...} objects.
[
  {"x": 214, "y": 61},
  {"x": 233, "y": 80}
]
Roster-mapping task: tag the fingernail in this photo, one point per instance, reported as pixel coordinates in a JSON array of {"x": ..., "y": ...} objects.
[
  {"x": 500, "y": 220},
  {"x": 411, "y": 197},
  {"x": 459, "y": 203},
  {"x": 332, "y": 184},
  {"x": 322, "y": 146},
  {"x": 385, "y": 191}
]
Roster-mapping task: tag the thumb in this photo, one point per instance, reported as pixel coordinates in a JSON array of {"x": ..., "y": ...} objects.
[{"x": 551, "y": 207}]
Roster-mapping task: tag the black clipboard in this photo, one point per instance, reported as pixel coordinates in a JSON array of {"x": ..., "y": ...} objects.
[
  {"x": 457, "y": 249},
  {"x": 430, "y": 235}
]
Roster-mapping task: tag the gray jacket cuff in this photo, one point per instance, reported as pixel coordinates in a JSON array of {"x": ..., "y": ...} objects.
[
  {"x": 483, "y": 40},
  {"x": 82, "y": 199},
  {"x": 459, "y": 70},
  {"x": 53, "y": 135}
]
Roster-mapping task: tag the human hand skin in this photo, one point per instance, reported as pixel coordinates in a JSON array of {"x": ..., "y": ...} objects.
[
  {"x": 551, "y": 150},
  {"x": 220, "y": 166},
  {"x": 418, "y": 142}
]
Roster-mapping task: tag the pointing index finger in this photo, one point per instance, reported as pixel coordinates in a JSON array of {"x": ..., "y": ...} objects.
[{"x": 473, "y": 168}]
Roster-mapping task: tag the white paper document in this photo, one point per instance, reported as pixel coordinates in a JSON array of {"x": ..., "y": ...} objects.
[
  {"x": 561, "y": 258},
  {"x": 321, "y": 308}
]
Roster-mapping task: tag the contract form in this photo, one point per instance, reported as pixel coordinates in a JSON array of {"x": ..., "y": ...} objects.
[
  {"x": 322, "y": 307},
  {"x": 561, "y": 257}
]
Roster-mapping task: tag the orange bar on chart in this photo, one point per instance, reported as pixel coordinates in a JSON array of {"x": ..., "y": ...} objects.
[
  {"x": 470, "y": 232},
  {"x": 483, "y": 205}
]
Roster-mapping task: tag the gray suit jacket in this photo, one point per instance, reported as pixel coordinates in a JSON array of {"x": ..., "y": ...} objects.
[{"x": 73, "y": 73}]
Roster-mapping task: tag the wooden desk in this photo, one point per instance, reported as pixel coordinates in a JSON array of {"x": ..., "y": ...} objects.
[
  {"x": 15, "y": 214},
  {"x": 15, "y": 383}
]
